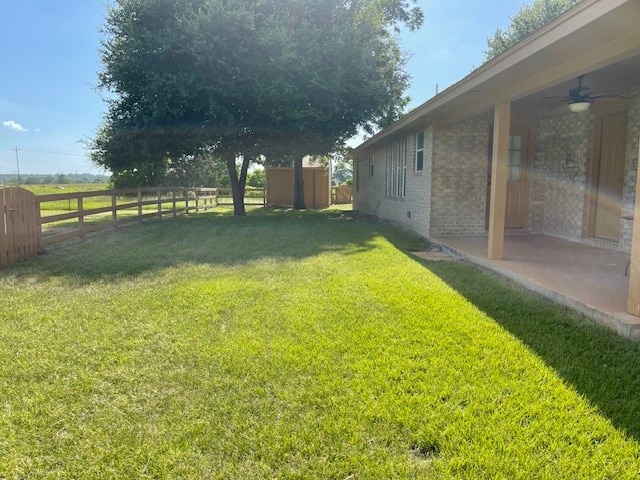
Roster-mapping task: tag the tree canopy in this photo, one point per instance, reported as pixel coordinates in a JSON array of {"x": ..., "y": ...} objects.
[
  {"x": 220, "y": 79},
  {"x": 529, "y": 18}
]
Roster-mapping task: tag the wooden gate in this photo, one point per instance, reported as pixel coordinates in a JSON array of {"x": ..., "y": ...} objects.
[
  {"x": 19, "y": 229},
  {"x": 342, "y": 194}
]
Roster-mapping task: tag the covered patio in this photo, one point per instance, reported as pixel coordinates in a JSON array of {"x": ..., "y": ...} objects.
[
  {"x": 590, "y": 279},
  {"x": 537, "y": 145}
]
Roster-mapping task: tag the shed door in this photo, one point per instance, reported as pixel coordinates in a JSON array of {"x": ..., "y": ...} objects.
[{"x": 610, "y": 171}]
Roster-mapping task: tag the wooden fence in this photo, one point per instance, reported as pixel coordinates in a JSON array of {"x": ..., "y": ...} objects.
[
  {"x": 341, "y": 194},
  {"x": 30, "y": 222},
  {"x": 76, "y": 214},
  {"x": 19, "y": 229},
  {"x": 252, "y": 196}
]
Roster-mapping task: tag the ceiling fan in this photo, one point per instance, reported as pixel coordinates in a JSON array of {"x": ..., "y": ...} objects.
[{"x": 581, "y": 97}]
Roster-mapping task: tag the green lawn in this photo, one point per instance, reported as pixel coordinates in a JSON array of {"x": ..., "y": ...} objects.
[
  {"x": 46, "y": 189},
  {"x": 299, "y": 345}
]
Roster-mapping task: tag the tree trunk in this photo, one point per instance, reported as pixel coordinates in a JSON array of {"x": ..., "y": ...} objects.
[
  {"x": 238, "y": 184},
  {"x": 298, "y": 185}
]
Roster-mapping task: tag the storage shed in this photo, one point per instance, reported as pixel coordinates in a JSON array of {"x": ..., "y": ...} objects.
[{"x": 317, "y": 186}]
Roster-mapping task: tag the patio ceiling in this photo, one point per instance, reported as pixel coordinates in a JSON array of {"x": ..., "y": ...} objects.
[
  {"x": 618, "y": 78},
  {"x": 597, "y": 37}
]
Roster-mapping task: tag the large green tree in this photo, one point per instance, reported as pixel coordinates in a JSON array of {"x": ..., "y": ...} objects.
[
  {"x": 529, "y": 18},
  {"x": 238, "y": 79}
]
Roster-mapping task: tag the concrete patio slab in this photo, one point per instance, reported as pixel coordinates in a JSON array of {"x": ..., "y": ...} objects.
[
  {"x": 589, "y": 279},
  {"x": 435, "y": 254}
]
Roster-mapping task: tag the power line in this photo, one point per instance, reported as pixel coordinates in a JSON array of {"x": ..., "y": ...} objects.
[{"x": 53, "y": 152}]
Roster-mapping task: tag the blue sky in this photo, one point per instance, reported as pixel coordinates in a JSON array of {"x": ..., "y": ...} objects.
[{"x": 50, "y": 60}]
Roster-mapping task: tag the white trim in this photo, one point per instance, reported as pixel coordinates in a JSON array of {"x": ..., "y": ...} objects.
[
  {"x": 419, "y": 150},
  {"x": 396, "y": 169}
]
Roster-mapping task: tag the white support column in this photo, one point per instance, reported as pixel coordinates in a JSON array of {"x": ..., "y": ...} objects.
[
  {"x": 633, "y": 305},
  {"x": 499, "y": 171}
]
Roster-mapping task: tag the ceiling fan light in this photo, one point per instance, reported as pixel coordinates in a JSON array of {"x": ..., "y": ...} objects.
[{"x": 577, "y": 107}]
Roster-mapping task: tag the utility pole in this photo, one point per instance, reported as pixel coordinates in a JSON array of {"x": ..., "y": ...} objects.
[{"x": 16, "y": 149}]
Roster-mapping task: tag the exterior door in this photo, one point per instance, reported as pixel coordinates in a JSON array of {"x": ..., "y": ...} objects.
[
  {"x": 610, "y": 176},
  {"x": 515, "y": 213}
]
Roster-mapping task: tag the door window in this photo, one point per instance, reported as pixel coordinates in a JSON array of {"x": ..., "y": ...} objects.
[{"x": 515, "y": 157}]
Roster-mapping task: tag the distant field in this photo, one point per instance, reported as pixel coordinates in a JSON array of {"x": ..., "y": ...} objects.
[{"x": 68, "y": 188}]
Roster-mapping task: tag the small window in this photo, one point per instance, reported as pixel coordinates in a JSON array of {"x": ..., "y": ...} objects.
[
  {"x": 372, "y": 163},
  {"x": 419, "y": 151}
]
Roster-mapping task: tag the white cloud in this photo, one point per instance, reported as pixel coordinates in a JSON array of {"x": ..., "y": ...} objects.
[{"x": 11, "y": 125}]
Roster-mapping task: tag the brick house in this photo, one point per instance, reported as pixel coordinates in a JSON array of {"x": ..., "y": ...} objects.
[{"x": 492, "y": 155}]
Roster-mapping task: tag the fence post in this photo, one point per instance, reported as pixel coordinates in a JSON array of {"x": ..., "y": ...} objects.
[
  {"x": 173, "y": 196},
  {"x": 114, "y": 211},
  {"x": 159, "y": 203},
  {"x": 80, "y": 215},
  {"x": 197, "y": 201},
  {"x": 38, "y": 223},
  {"x": 140, "y": 205},
  {"x": 186, "y": 201}
]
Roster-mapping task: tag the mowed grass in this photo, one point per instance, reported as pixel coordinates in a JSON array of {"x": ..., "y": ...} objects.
[
  {"x": 48, "y": 188},
  {"x": 299, "y": 345}
]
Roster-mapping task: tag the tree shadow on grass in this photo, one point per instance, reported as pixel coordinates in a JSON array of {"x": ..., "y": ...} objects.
[
  {"x": 597, "y": 363},
  {"x": 214, "y": 238}
]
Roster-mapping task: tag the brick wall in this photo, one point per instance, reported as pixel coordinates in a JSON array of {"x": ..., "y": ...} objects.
[
  {"x": 413, "y": 210},
  {"x": 364, "y": 187},
  {"x": 459, "y": 177},
  {"x": 562, "y": 147},
  {"x": 449, "y": 197}
]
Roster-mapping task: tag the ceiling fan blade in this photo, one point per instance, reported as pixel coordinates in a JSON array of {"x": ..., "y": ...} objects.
[
  {"x": 556, "y": 97},
  {"x": 607, "y": 96}
]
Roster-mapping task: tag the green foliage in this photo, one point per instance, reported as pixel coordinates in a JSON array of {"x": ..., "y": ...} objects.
[
  {"x": 257, "y": 178},
  {"x": 192, "y": 78},
  {"x": 342, "y": 171},
  {"x": 182, "y": 349},
  {"x": 531, "y": 17},
  {"x": 42, "y": 179},
  {"x": 47, "y": 188}
]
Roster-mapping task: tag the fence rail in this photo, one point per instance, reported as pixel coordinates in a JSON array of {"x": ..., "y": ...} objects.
[
  {"x": 77, "y": 214},
  {"x": 30, "y": 222},
  {"x": 252, "y": 196}
]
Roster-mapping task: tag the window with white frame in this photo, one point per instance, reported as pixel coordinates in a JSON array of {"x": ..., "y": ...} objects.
[
  {"x": 419, "y": 152},
  {"x": 396, "y": 171}
]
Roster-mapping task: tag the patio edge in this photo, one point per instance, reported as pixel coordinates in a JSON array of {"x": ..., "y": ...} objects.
[{"x": 614, "y": 322}]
